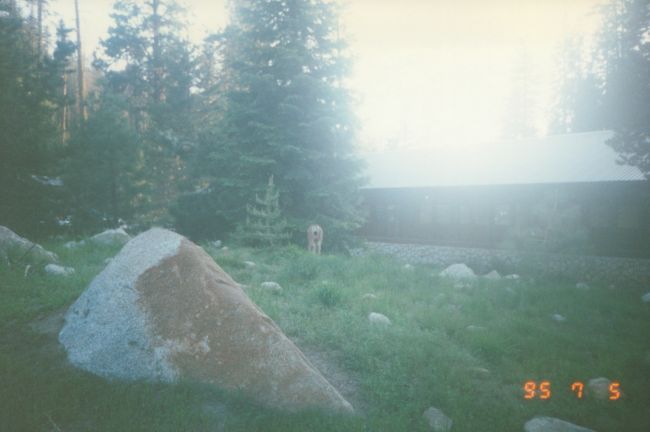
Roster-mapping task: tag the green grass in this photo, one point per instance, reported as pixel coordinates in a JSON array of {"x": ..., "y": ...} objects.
[{"x": 427, "y": 357}]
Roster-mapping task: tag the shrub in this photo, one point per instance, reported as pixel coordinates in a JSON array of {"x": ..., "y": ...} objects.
[{"x": 329, "y": 296}]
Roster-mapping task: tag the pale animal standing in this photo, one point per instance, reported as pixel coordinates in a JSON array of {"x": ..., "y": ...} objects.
[{"x": 314, "y": 238}]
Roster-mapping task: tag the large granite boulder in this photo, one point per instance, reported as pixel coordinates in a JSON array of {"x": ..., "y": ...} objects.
[
  {"x": 16, "y": 247},
  {"x": 164, "y": 310}
]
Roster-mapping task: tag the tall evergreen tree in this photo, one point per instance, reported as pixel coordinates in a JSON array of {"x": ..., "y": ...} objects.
[
  {"x": 147, "y": 60},
  {"x": 578, "y": 106},
  {"x": 104, "y": 167},
  {"x": 624, "y": 64},
  {"x": 27, "y": 89},
  {"x": 522, "y": 100},
  {"x": 287, "y": 113}
]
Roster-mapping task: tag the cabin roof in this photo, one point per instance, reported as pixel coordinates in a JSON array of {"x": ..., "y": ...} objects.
[{"x": 572, "y": 158}]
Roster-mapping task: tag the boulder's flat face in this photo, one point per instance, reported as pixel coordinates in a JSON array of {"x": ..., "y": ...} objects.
[
  {"x": 13, "y": 244},
  {"x": 164, "y": 310}
]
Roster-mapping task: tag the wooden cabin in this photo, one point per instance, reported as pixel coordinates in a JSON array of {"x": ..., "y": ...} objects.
[{"x": 570, "y": 186}]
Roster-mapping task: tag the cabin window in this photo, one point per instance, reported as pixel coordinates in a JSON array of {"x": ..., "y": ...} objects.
[{"x": 503, "y": 215}]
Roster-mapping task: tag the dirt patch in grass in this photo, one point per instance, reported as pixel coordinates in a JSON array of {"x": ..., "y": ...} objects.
[
  {"x": 329, "y": 366},
  {"x": 48, "y": 327},
  {"x": 50, "y": 324}
]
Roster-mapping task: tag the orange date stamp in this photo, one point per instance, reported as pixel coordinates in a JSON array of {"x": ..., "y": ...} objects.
[{"x": 542, "y": 390}]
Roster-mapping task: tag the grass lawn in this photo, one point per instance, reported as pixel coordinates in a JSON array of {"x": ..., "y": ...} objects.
[{"x": 427, "y": 357}]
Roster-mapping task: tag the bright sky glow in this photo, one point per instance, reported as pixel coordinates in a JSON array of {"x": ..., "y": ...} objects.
[{"x": 427, "y": 73}]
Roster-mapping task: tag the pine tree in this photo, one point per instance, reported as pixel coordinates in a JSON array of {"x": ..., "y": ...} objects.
[
  {"x": 577, "y": 106},
  {"x": 28, "y": 203},
  {"x": 624, "y": 65},
  {"x": 522, "y": 99},
  {"x": 287, "y": 113},
  {"x": 147, "y": 61},
  {"x": 104, "y": 168},
  {"x": 264, "y": 224}
]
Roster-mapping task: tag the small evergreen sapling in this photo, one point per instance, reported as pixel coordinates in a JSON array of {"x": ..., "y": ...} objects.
[{"x": 264, "y": 223}]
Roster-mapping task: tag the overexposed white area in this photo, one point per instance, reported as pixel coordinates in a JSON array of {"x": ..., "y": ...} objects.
[
  {"x": 425, "y": 71},
  {"x": 442, "y": 70},
  {"x": 571, "y": 158}
]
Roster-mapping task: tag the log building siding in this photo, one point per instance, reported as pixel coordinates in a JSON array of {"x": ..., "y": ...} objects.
[{"x": 615, "y": 212}]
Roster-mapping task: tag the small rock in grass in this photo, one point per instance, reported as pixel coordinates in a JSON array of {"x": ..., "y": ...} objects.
[
  {"x": 646, "y": 297},
  {"x": 249, "y": 264},
  {"x": 558, "y": 318},
  {"x": 271, "y": 286},
  {"x": 458, "y": 271},
  {"x": 437, "y": 420},
  {"x": 599, "y": 388},
  {"x": 582, "y": 286},
  {"x": 111, "y": 237},
  {"x": 377, "y": 318},
  {"x": 513, "y": 276},
  {"x": 57, "y": 270},
  {"x": 479, "y": 370},
  {"x": 551, "y": 424},
  {"x": 74, "y": 244},
  {"x": 475, "y": 328},
  {"x": 369, "y": 296},
  {"x": 216, "y": 244},
  {"x": 493, "y": 275},
  {"x": 408, "y": 267},
  {"x": 27, "y": 268}
]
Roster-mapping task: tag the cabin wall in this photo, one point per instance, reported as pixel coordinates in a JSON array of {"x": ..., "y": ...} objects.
[{"x": 613, "y": 216}]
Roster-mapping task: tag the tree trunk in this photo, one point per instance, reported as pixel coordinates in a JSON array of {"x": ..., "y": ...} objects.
[
  {"x": 157, "y": 79},
  {"x": 64, "y": 109},
  {"x": 114, "y": 206},
  {"x": 39, "y": 30},
  {"x": 81, "y": 103}
]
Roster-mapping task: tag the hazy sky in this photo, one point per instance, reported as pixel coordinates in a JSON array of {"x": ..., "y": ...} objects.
[{"x": 427, "y": 72}]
